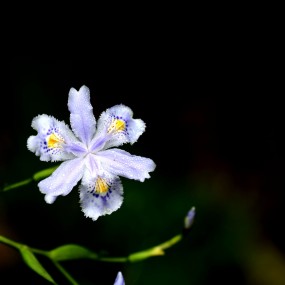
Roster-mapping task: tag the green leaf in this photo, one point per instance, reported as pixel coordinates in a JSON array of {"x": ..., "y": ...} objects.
[
  {"x": 31, "y": 260},
  {"x": 44, "y": 173},
  {"x": 70, "y": 252}
]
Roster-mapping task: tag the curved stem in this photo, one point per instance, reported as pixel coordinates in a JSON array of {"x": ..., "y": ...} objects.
[
  {"x": 65, "y": 273},
  {"x": 114, "y": 259},
  {"x": 133, "y": 257},
  {"x": 10, "y": 242},
  {"x": 36, "y": 177}
]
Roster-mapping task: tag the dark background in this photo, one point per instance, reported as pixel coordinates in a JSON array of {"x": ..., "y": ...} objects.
[{"x": 215, "y": 124}]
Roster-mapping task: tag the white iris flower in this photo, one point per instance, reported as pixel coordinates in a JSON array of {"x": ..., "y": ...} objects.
[{"x": 89, "y": 153}]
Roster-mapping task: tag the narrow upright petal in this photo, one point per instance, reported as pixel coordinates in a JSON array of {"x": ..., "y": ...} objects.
[
  {"x": 100, "y": 196},
  {"x": 119, "y": 279},
  {"x": 116, "y": 126},
  {"x": 82, "y": 120},
  {"x": 52, "y": 139},
  {"x": 63, "y": 179},
  {"x": 121, "y": 163}
]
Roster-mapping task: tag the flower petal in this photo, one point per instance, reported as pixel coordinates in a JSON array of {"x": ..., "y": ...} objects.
[
  {"x": 116, "y": 126},
  {"x": 121, "y": 163},
  {"x": 101, "y": 195},
  {"x": 62, "y": 180},
  {"x": 82, "y": 120},
  {"x": 119, "y": 279},
  {"x": 52, "y": 139},
  {"x": 77, "y": 148},
  {"x": 93, "y": 166}
]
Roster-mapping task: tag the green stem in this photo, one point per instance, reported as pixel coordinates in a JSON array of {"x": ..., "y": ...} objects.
[
  {"x": 154, "y": 251},
  {"x": 113, "y": 259},
  {"x": 36, "y": 177},
  {"x": 18, "y": 184},
  {"x": 170, "y": 242},
  {"x": 10, "y": 242},
  {"x": 134, "y": 257},
  {"x": 39, "y": 251},
  {"x": 65, "y": 273}
]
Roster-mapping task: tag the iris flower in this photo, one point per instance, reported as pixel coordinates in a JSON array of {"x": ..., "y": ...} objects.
[{"x": 89, "y": 153}]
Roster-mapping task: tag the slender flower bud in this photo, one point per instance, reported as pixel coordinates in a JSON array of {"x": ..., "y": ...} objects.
[
  {"x": 189, "y": 219},
  {"x": 119, "y": 279}
]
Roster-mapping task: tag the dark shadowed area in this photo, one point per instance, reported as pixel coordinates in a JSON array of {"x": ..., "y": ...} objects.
[{"x": 215, "y": 125}]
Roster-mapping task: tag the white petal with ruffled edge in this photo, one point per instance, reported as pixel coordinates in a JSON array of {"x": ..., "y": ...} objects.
[
  {"x": 96, "y": 203},
  {"x": 134, "y": 127},
  {"x": 82, "y": 120},
  {"x": 122, "y": 163},
  {"x": 63, "y": 179},
  {"x": 52, "y": 138},
  {"x": 115, "y": 127}
]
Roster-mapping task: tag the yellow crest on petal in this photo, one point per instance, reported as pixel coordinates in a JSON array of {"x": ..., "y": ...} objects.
[
  {"x": 101, "y": 186},
  {"x": 117, "y": 125},
  {"x": 54, "y": 141}
]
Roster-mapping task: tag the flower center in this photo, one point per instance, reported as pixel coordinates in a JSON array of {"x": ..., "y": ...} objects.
[
  {"x": 101, "y": 186},
  {"x": 54, "y": 141}
]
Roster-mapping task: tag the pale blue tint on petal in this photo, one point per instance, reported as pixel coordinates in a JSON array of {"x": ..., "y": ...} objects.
[
  {"x": 52, "y": 138},
  {"x": 121, "y": 163},
  {"x": 35, "y": 144},
  {"x": 104, "y": 133},
  {"x": 77, "y": 148},
  {"x": 119, "y": 279},
  {"x": 117, "y": 126},
  {"x": 63, "y": 179},
  {"x": 134, "y": 127},
  {"x": 50, "y": 198},
  {"x": 96, "y": 203},
  {"x": 98, "y": 143},
  {"x": 82, "y": 120},
  {"x": 93, "y": 165}
]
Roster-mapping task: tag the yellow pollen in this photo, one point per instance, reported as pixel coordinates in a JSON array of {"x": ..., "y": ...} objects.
[
  {"x": 54, "y": 141},
  {"x": 117, "y": 125},
  {"x": 101, "y": 186}
]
